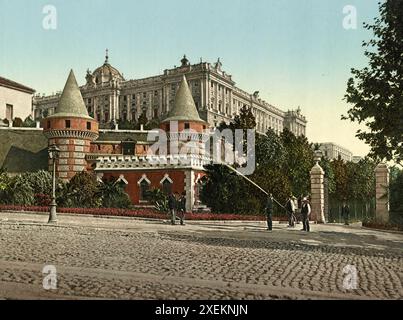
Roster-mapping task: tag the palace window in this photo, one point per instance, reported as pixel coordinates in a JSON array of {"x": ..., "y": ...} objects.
[
  {"x": 166, "y": 184},
  {"x": 9, "y": 112},
  {"x": 144, "y": 186},
  {"x": 187, "y": 125},
  {"x": 68, "y": 124},
  {"x": 88, "y": 125}
]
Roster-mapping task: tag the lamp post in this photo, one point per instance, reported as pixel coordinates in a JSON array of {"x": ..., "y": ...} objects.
[{"x": 53, "y": 155}]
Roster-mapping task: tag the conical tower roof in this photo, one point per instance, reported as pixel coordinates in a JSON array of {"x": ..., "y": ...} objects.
[
  {"x": 184, "y": 108},
  {"x": 71, "y": 103}
]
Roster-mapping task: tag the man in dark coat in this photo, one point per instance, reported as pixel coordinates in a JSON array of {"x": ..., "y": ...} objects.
[
  {"x": 172, "y": 205},
  {"x": 345, "y": 212},
  {"x": 305, "y": 213},
  {"x": 182, "y": 207},
  {"x": 269, "y": 212}
]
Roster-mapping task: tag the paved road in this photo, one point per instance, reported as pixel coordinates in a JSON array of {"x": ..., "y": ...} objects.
[{"x": 135, "y": 259}]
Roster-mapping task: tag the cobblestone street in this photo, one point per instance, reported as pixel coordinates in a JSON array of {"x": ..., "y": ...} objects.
[{"x": 138, "y": 259}]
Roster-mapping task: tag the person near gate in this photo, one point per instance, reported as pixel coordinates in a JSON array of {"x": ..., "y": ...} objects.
[{"x": 305, "y": 213}]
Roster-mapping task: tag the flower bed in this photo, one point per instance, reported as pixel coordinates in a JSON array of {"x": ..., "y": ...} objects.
[
  {"x": 140, "y": 213},
  {"x": 382, "y": 226}
]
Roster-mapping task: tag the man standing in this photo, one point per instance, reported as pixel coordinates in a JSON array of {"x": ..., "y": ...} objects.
[
  {"x": 269, "y": 212},
  {"x": 305, "y": 213},
  {"x": 290, "y": 207},
  {"x": 345, "y": 212},
  {"x": 172, "y": 205},
  {"x": 182, "y": 207}
]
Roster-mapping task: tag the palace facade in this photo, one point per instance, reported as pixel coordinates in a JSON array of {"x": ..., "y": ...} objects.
[{"x": 109, "y": 97}]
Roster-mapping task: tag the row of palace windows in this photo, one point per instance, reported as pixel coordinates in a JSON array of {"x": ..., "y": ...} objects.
[{"x": 144, "y": 187}]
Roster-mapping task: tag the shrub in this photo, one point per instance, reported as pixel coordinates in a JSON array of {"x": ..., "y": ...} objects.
[
  {"x": 158, "y": 199},
  {"x": 113, "y": 195},
  {"x": 80, "y": 191},
  {"x": 17, "y": 123}
]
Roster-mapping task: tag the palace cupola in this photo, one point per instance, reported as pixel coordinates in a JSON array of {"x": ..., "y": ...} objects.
[{"x": 71, "y": 129}]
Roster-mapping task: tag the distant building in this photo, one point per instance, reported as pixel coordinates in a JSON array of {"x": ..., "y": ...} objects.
[
  {"x": 15, "y": 100},
  {"x": 109, "y": 97},
  {"x": 333, "y": 151}
]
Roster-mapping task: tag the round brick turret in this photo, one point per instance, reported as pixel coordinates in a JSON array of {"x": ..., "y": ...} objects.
[{"x": 72, "y": 130}]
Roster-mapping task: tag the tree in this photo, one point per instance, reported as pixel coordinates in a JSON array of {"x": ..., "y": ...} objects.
[
  {"x": 396, "y": 190},
  {"x": 376, "y": 92},
  {"x": 29, "y": 122},
  {"x": 142, "y": 120},
  {"x": 226, "y": 192},
  {"x": 127, "y": 125},
  {"x": 245, "y": 119},
  {"x": 361, "y": 178},
  {"x": 152, "y": 124},
  {"x": 342, "y": 190},
  {"x": 298, "y": 162}
]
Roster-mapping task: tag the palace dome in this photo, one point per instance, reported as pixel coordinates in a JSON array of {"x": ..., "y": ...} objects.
[{"x": 106, "y": 73}]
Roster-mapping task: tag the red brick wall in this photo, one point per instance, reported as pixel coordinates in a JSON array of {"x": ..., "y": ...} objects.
[{"x": 154, "y": 176}]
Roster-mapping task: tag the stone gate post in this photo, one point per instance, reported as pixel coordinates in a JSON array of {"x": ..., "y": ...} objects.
[
  {"x": 317, "y": 191},
  {"x": 382, "y": 198}
]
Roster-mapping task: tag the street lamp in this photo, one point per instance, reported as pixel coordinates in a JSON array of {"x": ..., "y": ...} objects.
[{"x": 53, "y": 155}]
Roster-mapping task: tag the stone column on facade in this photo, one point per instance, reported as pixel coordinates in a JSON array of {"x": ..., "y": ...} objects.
[
  {"x": 128, "y": 107},
  {"x": 190, "y": 189},
  {"x": 317, "y": 191},
  {"x": 202, "y": 96},
  {"x": 110, "y": 108},
  {"x": 160, "y": 102},
  {"x": 382, "y": 198},
  {"x": 208, "y": 98}
]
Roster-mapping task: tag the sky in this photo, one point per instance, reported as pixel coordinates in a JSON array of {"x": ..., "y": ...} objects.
[{"x": 295, "y": 52}]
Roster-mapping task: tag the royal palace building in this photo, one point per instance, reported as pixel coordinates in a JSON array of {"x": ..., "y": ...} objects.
[{"x": 109, "y": 97}]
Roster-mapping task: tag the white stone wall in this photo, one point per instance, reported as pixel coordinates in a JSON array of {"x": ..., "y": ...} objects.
[{"x": 21, "y": 102}]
